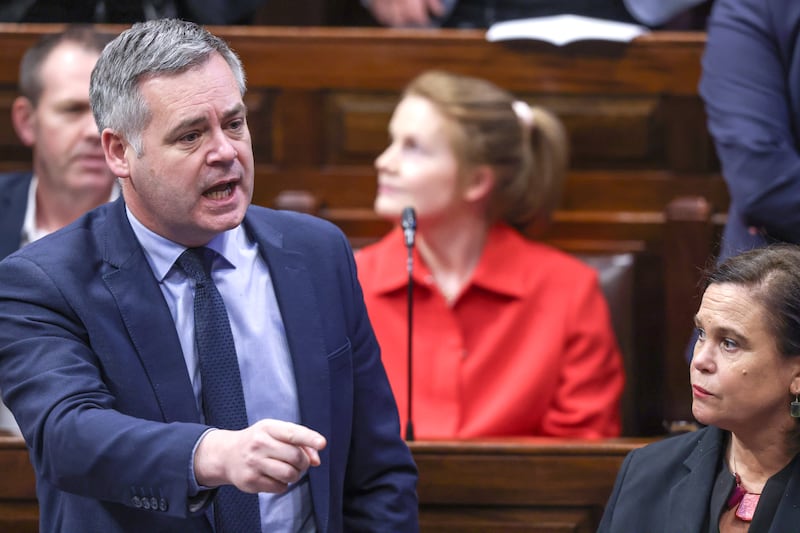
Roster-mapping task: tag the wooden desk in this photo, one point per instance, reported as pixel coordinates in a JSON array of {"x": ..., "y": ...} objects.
[
  {"x": 533, "y": 485},
  {"x": 525, "y": 486}
]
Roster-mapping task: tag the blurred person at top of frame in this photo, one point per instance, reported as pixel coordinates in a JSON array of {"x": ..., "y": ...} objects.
[
  {"x": 674, "y": 14},
  {"x": 128, "y": 11},
  {"x": 511, "y": 337}
]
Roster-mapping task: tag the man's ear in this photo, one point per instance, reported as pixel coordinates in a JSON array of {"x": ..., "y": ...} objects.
[
  {"x": 116, "y": 150},
  {"x": 23, "y": 118},
  {"x": 479, "y": 184}
]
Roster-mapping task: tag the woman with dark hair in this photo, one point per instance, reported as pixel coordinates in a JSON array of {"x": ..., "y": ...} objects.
[
  {"x": 511, "y": 337},
  {"x": 740, "y": 472}
]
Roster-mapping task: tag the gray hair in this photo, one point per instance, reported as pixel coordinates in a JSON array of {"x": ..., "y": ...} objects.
[{"x": 148, "y": 49}]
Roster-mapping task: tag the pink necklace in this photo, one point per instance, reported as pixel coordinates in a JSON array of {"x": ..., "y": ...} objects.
[{"x": 745, "y": 502}]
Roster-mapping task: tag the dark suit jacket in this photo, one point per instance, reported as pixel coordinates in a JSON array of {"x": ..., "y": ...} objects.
[
  {"x": 91, "y": 365},
  {"x": 13, "y": 201},
  {"x": 666, "y": 487},
  {"x": 220, "y": 11},
  {"x": 751, "y": 88}
]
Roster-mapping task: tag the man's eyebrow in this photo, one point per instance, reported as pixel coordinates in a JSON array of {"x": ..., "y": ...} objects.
[
  {"x": 194, "y": 122},
  {"x": 238, "y": 109},
  {"x": 186, "y": 124}
]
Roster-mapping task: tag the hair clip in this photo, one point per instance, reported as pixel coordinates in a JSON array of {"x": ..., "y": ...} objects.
[{"x": 524, "y": 113}]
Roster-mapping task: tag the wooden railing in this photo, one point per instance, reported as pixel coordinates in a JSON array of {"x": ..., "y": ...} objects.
[{"x": 533, "y": 485}]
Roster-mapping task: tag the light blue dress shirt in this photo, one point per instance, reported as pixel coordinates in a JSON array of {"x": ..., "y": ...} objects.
[{"x": 268, "y": 382}]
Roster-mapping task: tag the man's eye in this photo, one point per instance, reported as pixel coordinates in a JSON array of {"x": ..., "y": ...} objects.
[
  {"x": 74, "y": 110},
  {"x": 701, "y": 334}
]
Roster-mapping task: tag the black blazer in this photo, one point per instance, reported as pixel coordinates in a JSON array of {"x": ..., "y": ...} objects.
[
  {"x": 13, "y": 201},
  {"x": 666, "y": 487}
]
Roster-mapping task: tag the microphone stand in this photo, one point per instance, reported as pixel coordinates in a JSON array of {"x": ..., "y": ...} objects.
[
  {"x": 408, "y": 222},
  {"x": 410, "y": 298}
]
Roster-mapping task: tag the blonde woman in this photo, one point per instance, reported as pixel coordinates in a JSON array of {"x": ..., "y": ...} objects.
[{"x": 511, "y": 337}]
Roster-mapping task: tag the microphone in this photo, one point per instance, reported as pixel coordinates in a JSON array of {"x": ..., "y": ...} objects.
[{"x": 408, "y": 222}]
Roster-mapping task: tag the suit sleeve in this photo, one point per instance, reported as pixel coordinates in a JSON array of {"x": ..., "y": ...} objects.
[
  {"x": 53, "y": 381},
  {"x": 592, "y": 377},
  {"x": 745, "y": 88}
]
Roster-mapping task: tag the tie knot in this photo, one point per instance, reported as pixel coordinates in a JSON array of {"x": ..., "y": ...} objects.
[{"x": 196, "y": 262}]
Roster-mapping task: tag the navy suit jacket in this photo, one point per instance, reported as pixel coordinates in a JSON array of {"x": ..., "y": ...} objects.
[
  {"x": 666, "y": 487},
  {"x": 751, "y": 88},
  {"x": 13, "y": 202},
  {"x": 91, "y": 365}
]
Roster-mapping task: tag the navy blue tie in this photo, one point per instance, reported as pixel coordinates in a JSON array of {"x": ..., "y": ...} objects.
[{"x": 223, "y": 400}]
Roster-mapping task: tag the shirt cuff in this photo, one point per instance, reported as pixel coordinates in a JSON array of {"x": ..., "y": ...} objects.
[{"x": 199, "y": 495}]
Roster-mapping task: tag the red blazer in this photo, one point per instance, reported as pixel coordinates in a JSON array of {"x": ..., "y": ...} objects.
[{"x": 526, "y": 349}]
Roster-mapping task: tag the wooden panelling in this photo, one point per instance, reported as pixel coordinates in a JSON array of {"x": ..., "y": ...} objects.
[
  {"x": 644, "y": 179},
  {"x": 532, "y": 485},
  {"x": 19, "y": 511},
  {"x": 320, "y": 101},
  {"x": 526, "y": 486}
]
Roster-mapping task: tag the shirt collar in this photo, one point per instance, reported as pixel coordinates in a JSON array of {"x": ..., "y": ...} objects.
[
  {"x": 501, "y": 268},
  {"x": 497, "y": 271},
  {"x": 30, "y": 232},
  {"x": 161, "y": 253}
]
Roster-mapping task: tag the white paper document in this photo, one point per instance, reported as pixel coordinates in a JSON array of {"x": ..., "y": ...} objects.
[{"x": 563, "y": 29}]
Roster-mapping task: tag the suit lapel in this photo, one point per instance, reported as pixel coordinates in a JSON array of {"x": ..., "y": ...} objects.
[
  {"x": 688, "y": 499},
  {"x": 302, "y": 322},
  {"x": 147, "y": 319}
]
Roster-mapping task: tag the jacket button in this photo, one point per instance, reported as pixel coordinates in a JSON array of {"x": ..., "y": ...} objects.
[
  {"x": 136, "y": 502},
  {"x": 154, "y": 503},
  {"x": 145, "y": 503},
  {"x": 162, "y": 504}
]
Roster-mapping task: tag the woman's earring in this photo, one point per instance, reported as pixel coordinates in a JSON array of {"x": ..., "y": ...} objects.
[{"x": 794, "y": 407}]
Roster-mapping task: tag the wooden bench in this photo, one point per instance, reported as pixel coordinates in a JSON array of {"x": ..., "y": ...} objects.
[
  {"x": 526, "y": 485},
  {"x": 644, "y": 176}
]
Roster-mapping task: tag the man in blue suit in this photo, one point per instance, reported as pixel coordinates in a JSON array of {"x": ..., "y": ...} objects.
[
  {"x": 751, "y": 90},
  {"x": 52, "y": 116},
  {"x": 101, "y": 356}
]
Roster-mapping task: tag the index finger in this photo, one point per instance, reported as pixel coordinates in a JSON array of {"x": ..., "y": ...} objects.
[
  {"x": 298, "y": 435},
  {"x": 313, "y": 455}
]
